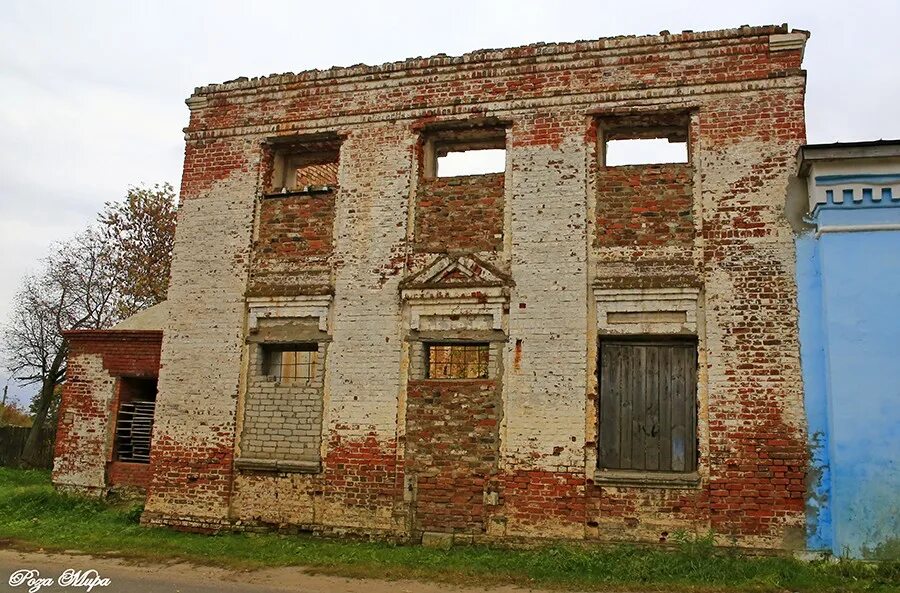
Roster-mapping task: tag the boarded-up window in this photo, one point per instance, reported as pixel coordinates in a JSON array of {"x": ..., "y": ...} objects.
[
  {"x": 648, "y": 405},
  {"x": 282, "y": 426},
  {"x": 458, "y": 361}
]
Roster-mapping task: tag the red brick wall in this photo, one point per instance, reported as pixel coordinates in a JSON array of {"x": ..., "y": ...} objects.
[
  {"x": 132, "y": 353},
  {"x": 452, "y": 448},
  {"x": 198, "y": 475},
  {"x": 757, "y": 447},
  {"x": 294, "y": 232},
  {"x": 644, "y": 205},
  {"x": 121, "y": 473},
  {"x": 460, "y": 213},
  {"x": 493, "y": 76},
  {"x": 363, "y": 473},
  {"x": 209, "y": 161}
]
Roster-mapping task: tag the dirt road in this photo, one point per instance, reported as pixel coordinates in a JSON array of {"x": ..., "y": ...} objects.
[{"x": 127, "y": 577}]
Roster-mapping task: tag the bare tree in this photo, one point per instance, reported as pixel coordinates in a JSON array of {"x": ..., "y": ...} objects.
[
  {"x": 140, "y": 231},
  {"x": 76, "y": 289}
]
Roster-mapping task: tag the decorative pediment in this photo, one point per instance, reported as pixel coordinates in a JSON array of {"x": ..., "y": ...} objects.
[
  {"x": 454, "y": 286},
  {"x": 457, "y": 271}
]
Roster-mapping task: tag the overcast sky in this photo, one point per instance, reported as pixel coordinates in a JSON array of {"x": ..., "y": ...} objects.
[{"x": 92, "y": 93}]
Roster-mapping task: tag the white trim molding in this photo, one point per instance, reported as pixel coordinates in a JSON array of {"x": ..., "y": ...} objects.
[
  {"x": 445, "y": 303},
  {"x": 293, "y": 307},
  {"x": 627, "y": 311}
]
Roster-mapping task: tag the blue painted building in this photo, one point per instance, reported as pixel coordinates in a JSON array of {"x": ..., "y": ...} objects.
[{"x": 848, "y": 276}]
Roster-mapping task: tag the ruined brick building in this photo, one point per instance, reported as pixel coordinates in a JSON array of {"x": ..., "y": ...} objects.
[{"x": 565, "y": 347}]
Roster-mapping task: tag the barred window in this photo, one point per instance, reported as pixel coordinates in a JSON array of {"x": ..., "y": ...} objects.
[
  {"x": 458, "y": 361},
  {"x": 292, "y": 364}
]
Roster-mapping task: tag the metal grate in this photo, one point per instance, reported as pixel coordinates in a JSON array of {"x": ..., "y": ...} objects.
[
  {"x": 294, "y": 364},
  {"x": 134, "y": 431},
  {"x": 458, "y": 361}
]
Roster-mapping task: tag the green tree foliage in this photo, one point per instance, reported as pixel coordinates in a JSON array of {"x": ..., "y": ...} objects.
[{"x": 140, "y": 232}]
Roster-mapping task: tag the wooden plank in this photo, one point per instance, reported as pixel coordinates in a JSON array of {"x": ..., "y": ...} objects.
[
  {"x": 134, "y": 430},
  {"x": 618, "y": 388},
  {"x": 626, "y": 402},
  {"x": 667, "y": 373},
  {"x": 690, "y": 397},
  {"x": 651, "y": 407},
  {"x": 609, "y": 407},
  {"x": 638, "y": 409},
  {"x": 679, "y": 427}
]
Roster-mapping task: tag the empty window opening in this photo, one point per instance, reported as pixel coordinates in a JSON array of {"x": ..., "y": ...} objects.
[
  {"x": 471, "y": 162},
  {"x": 455, "y": 152},
  {"x": 648, "y": 405},
  {"x": 134, "y": 420},
  {"x": 644, "y": 139},
  {"x": 308, "y": 172},
  {"x": 458, "y": 361},
  {"x": 293, "y": 364},
  {"x": 645, "y": 151}
]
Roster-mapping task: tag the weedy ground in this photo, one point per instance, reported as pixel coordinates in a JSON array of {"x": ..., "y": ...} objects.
[{"x": 34, "y": 515}]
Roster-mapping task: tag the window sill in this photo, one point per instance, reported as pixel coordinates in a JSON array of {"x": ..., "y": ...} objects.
[
  {"x": 454, "y": 379},
  {"x": 309, "y": 191},
  {"x": 278, "y": 465},
  {"x": 647, "y": 479}
]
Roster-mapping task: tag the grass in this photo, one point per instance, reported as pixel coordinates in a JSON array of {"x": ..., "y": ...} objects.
[{"x": 33, "y": 514}]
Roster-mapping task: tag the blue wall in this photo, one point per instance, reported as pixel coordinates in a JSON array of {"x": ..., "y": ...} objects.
[{"x": 849, "y": 302}]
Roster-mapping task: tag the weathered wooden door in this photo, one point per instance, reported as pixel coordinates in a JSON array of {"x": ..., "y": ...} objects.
[{"x": 648, "y": 405}]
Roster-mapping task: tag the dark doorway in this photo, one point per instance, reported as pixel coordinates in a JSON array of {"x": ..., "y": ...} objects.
[{"x": 134, "y": 420}]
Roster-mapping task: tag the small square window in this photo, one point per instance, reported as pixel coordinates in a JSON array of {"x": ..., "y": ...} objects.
[
  {"x": 458, "y": 361},
  {"x": 307, "y": 165},
  {"x": 293, "y": 364}
]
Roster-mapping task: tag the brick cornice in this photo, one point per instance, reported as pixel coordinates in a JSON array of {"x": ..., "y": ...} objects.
[
  {"x": 94, "y": 335},
  {"x": 593, "y": 102}
]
